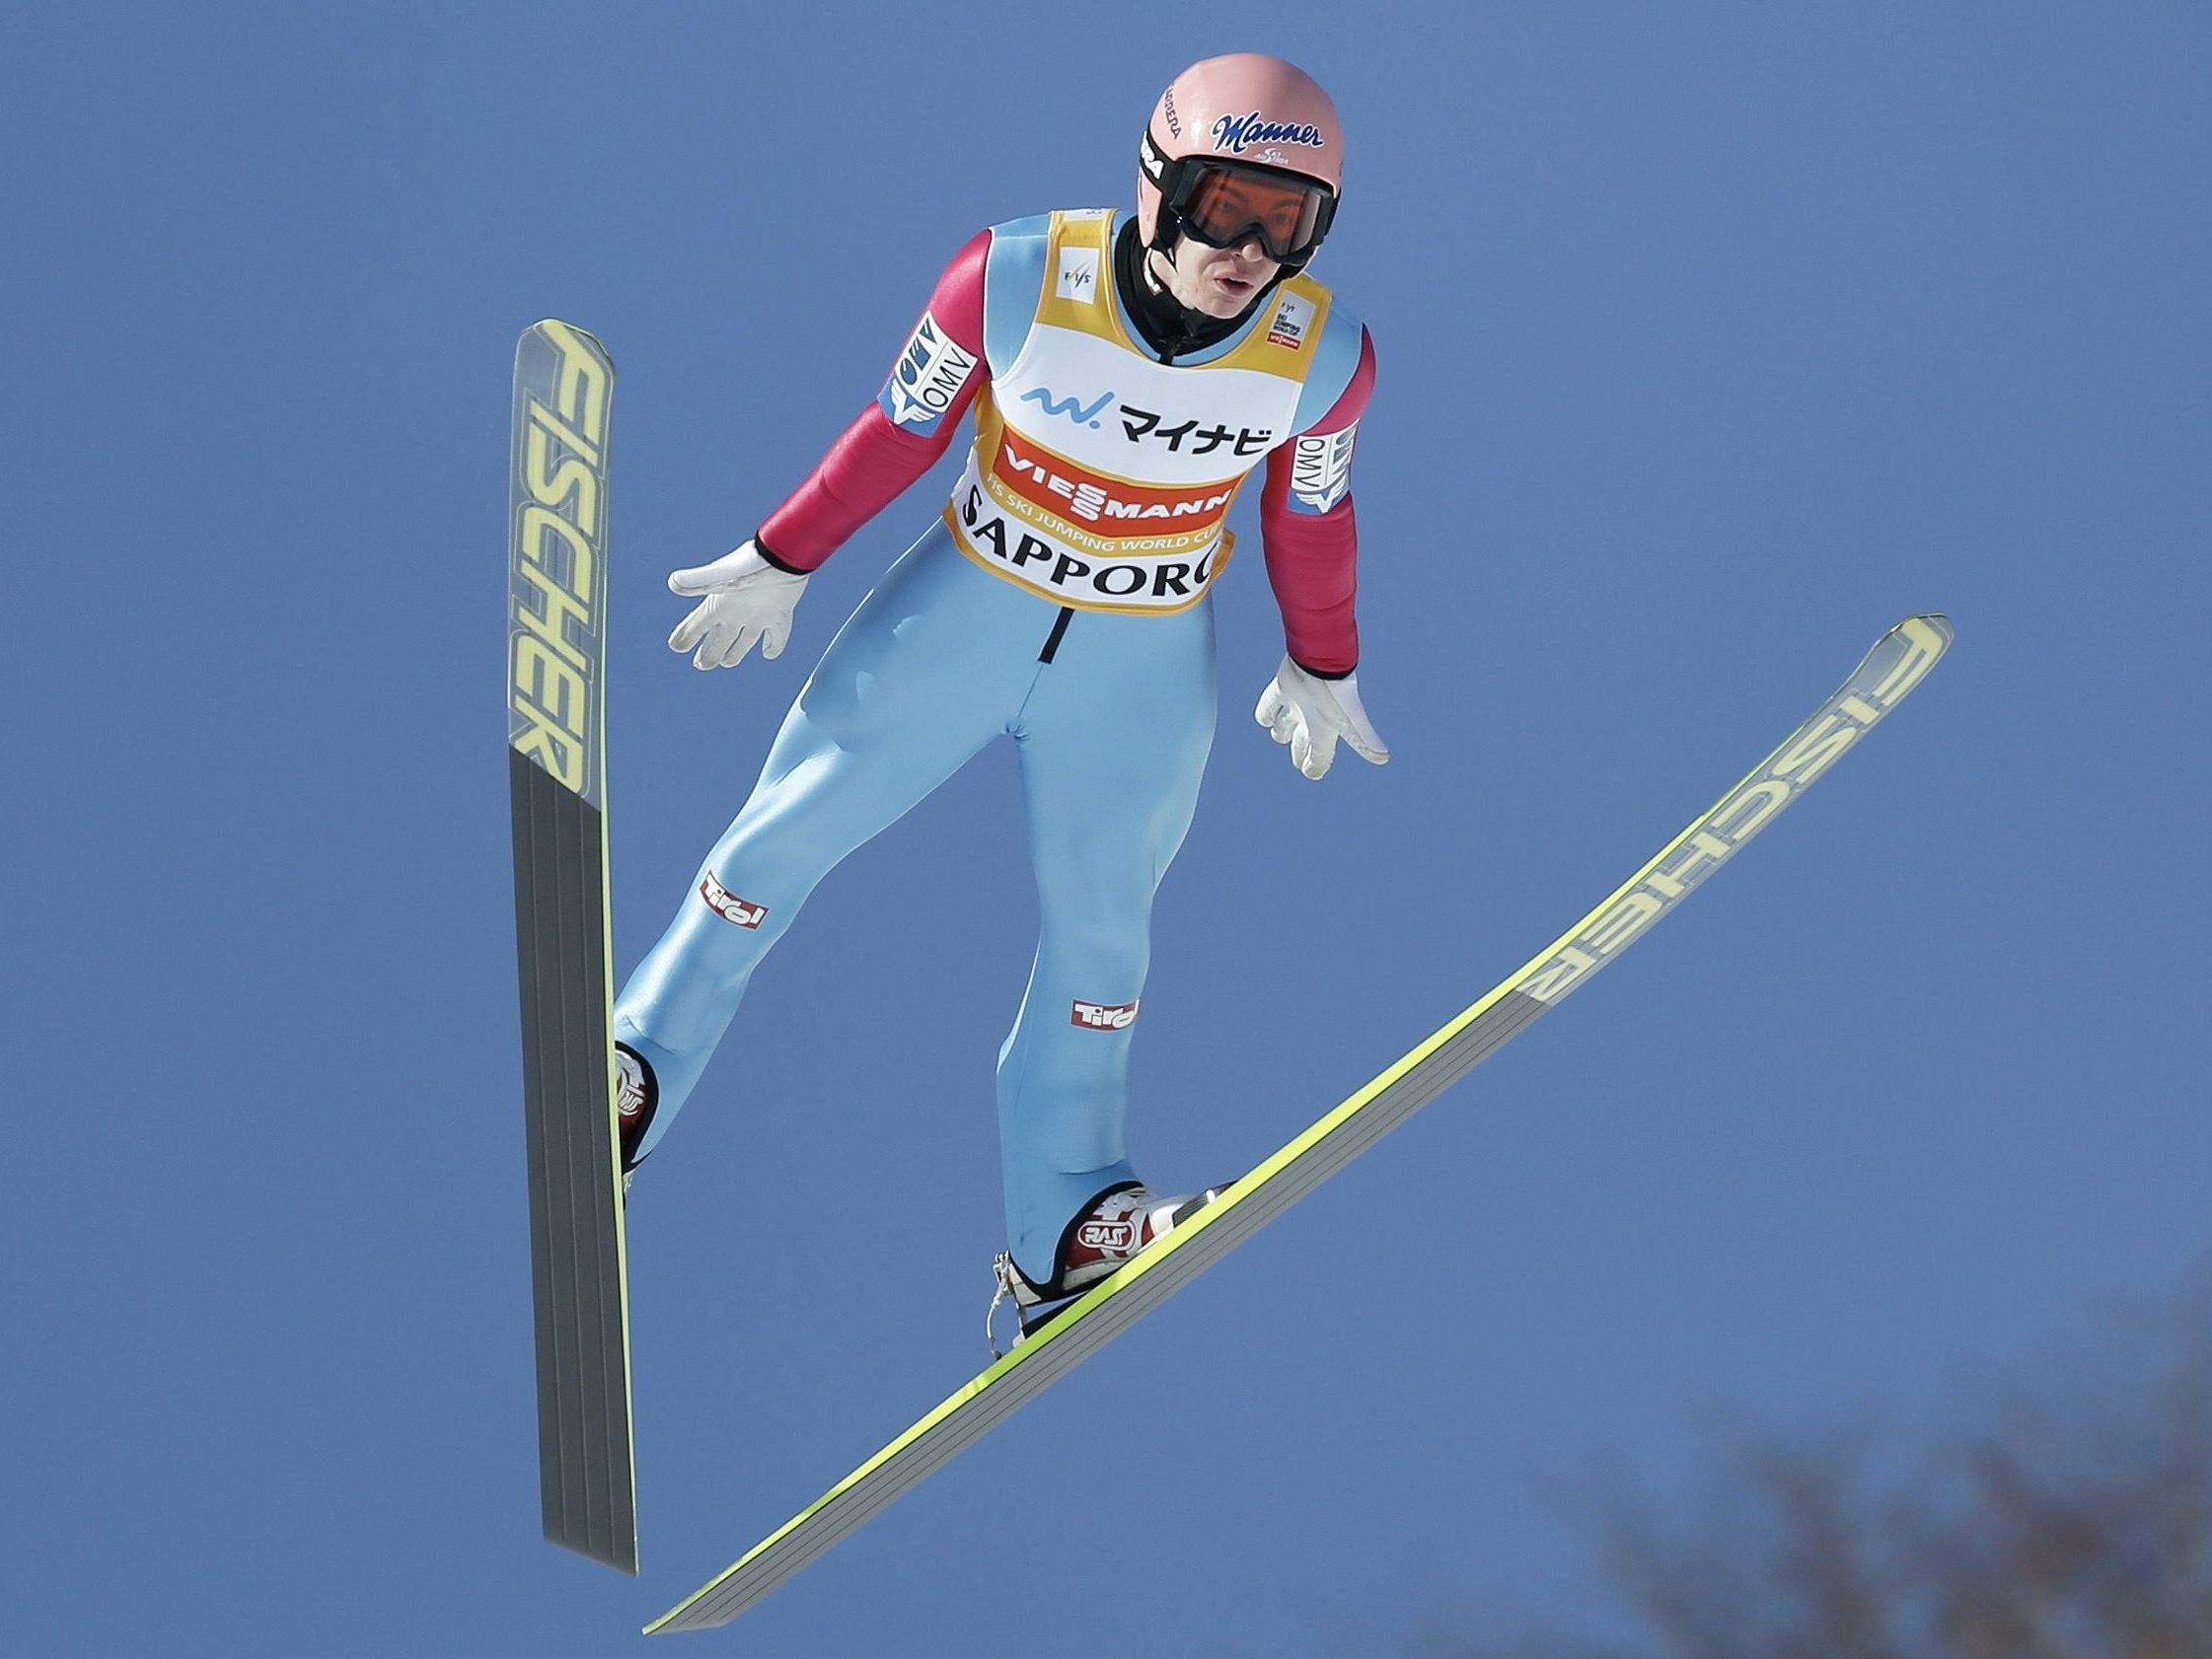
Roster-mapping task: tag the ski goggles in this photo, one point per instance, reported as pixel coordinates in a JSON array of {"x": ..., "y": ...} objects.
[{"x": 1223, "y": 203}]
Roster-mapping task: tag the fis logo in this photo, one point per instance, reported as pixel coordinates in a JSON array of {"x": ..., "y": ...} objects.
[
  {"x": 1321, "y": 471},
  {"x": 726, "y": 905},
  {"x": 1293, "y": 317},
  {"x": 1107, "y": 1235},
  {"x": 1078, "y": 274},
  {"x": 1072, "y": 407},
  {"x": 926, "y": 378},
  {"x": 1701, "y": 849},
  {"x": 1100, "y": 1016}
]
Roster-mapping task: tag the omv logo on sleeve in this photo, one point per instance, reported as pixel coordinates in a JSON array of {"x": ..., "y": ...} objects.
[
  {"x": 1321, "y": 471},
  {"x": 926, "y": 378},
  {"x": 1075, "y": 408}
]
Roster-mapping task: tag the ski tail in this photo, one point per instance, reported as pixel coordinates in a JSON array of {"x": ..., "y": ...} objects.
[
  {"x": 1890, "y": 672},
  {"x": 557, "y": 619}
]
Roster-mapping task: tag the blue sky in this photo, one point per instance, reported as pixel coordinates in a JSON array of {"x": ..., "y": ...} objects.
[{"x": 1714, "y": 339}]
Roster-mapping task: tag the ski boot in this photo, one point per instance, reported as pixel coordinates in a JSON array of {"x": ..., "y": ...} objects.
[
  {"x": 1108, "y": 1232},
  {"x": 637, "y": 1098}
]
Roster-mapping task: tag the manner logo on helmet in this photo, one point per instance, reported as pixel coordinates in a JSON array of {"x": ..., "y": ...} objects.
[
  {"x": 1102, "y": 1016},
  {"x": 1321, "y": 471},
  {"x": 1078, "y": 274},
  {"x": 726, "y": 905},
  {"x": 1237, "y": 133},
  {"x": 928, "y": 376}
]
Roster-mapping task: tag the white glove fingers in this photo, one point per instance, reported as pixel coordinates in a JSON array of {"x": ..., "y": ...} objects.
[
  {"x": 725, "y": 572},
  {"x": 1321, "y": 753},
  {"x": 1359, "y": 730},
  {"x": 743, "y": 602},
  {"x": 1311, "y": 714},
  {"x": 1367, "y": 743},
  {"x": 739, "y": 643}
]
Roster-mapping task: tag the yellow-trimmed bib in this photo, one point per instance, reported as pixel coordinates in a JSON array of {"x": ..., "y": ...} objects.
[{"x": 1101, "y": 477}]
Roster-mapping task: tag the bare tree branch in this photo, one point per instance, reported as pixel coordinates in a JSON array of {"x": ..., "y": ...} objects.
[{"x": 2071, "y": 1520}]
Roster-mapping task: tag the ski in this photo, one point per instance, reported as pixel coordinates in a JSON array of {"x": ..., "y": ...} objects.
[
  {"x": 556, "y": 692},
  {"x": 1896, "y": 665}
]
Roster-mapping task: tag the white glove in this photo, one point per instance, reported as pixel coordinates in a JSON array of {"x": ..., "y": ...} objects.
[
  {"x": 1311, "y": 714},
  {"x": 747, "y": 599}
]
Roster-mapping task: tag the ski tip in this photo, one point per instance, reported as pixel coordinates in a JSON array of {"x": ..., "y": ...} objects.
[
  {"x": 1922, "y": 640},
  {"x": 565, "y": 334},
  {"x": 1931, "y": 622}
]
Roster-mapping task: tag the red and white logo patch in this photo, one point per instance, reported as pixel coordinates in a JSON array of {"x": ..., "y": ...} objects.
[
  {"x": 1106, "y": 504},
  {"x": 1107, "y": 1235},
  {"x": 1104, "y": 1015},
  {"x": 630, "y": 1085},
  {"x": 726, "y": 905}
]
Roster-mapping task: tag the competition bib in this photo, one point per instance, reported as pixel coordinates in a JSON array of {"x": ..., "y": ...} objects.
[{"x": 1100, "y": 477}]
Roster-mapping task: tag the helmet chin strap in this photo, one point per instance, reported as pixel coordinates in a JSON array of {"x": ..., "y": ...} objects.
[
  {"x": 1168, "y": 324},
  {"x": 1167, "y": 243},
  {"x": 1153, "y": 277}
]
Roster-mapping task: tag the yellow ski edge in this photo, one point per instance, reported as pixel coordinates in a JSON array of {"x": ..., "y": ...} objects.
[{"x": 1930, "y": 635}]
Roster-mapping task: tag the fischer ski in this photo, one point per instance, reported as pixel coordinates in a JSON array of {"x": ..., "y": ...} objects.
[
  {"x": 1896, "y": 664},
  {"x": 557, "y": 636}
]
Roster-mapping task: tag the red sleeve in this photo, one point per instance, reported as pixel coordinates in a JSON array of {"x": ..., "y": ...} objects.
[
  {"x": 901, "y": 434},
  {"x": 1313, "y": 540}
]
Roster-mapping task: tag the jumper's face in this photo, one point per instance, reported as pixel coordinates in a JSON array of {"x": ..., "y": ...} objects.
[{"x": 1218, "y": 281}]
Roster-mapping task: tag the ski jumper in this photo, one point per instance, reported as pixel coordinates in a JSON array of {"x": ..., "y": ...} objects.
[{"x": 1062, "y": 599}]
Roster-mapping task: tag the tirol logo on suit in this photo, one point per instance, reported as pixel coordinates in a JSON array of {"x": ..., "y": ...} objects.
[
  {"x": 726, "y": 905},
  {"x": 1104, "y": 1015}
]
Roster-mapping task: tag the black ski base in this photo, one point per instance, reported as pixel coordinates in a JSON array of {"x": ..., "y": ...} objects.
[{"x": 575, "y": 1216}]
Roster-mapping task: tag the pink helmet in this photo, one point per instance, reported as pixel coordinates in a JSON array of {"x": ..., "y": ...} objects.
[{"x": 1247, "y": 116}]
